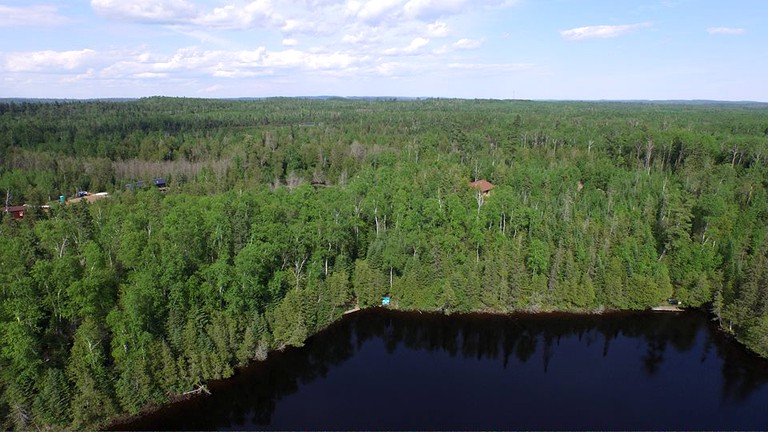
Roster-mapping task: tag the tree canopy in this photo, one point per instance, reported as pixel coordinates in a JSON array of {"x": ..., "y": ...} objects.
[{"x": 281, "y": 214}]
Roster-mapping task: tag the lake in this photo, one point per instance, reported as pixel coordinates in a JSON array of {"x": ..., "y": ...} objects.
[{"x": 380, "y": 369}]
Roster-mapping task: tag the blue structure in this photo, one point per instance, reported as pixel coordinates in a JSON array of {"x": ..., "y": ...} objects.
[{"x": 385, "y": 301}]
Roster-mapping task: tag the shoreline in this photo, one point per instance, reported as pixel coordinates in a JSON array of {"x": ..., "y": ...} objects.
[
  {"x": 667, "y": 309},
  {"x": 125, "y": 419}
]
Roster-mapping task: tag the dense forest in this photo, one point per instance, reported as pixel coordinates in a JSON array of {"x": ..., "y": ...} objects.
[{"x": 282, "y": 214}]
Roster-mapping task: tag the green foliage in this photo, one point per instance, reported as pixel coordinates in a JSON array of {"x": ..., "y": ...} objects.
[
  {"x": 93, "y": 394},
  {"x": 281, "y": 214},
  {"x": 538, "y": 256},
  {"x": 368, "y": 284},
  {"x": 52, "y": 402},
  {"x": 287, "y": 321},
  {"x": 757, "y": 336}
]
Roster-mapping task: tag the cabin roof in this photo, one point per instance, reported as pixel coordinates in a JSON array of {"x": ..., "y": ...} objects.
[{"x": 482, "y": 185}]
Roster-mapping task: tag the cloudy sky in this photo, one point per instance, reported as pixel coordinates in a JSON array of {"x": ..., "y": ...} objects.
[{"x": 533, "y": 49}]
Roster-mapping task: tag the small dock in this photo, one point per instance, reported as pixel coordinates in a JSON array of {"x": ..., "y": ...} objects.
[{"x": 667, "y": 308}]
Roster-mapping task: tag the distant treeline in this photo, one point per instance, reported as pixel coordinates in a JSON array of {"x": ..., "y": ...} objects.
[{"x": 283, "y": 213}]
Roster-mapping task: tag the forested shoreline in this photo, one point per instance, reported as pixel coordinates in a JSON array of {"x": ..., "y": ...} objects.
[{"x": 281, "y": 214}]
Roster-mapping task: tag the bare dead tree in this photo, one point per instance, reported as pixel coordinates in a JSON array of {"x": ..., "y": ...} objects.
[{"x": 649, "y": 146}]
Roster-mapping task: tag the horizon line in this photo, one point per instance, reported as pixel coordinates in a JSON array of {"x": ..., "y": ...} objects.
[{"x": 400, "y": 98}]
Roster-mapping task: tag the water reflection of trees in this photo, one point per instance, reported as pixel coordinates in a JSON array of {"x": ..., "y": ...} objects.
[
  {"x": 251, "y": 397},
  {"x": 495, "y": 337},
  {"x": 743, "y": 372},
  {"x": 501, "y": 337}
]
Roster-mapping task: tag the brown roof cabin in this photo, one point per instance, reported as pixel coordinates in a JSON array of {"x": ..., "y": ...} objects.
[
  {"x": 482, "y": 186},
  {"x": 16, "y": 212}
]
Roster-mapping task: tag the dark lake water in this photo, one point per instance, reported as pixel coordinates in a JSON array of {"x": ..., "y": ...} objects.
[{"x": 381, "y": 369}]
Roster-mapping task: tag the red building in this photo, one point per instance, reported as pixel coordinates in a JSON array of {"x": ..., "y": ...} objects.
[
  {"x": 16, "y": 212},
  {"x": 482, "y": 186}
]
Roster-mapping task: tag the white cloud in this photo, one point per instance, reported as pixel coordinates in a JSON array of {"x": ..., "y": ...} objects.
[
  {"x": 364, "y": 37},
  {"x": 416, "y": 44},
  {"x": 397, "y": 69},
  {"x": 309, "y": 60},
  {"x": 602, "y": 31},
  {"x": 374, "y": 11},
  {"x": 433, "y": 9},
  {"x": 353, "y": 38},
  {"x": 393, "y": 38},
  {"x": 234, "y": 74},
  {"x": 295, "y": 25},
  {"x": 184, "y": 12},
  {"x": 163, "y": 11},
  {"x": 87, "y": 75},
  {"x": 442, "y": 50},
  {"x": 309, "y": 26},
  {"x": 726, "y": 30},
  {"x": 150, "y": 75},
  {"x": 49, "y": 61},
  {"x": 37, "y": 15},
  {"x": 466, "y": 43},
  {"x": 356, "y": 21},
  {"x": 427, "y": 9},
  {"x": 191, "y": 62},
  {"x": 255, "y": 13},
  {"x": 461, "y": 44},
  {"x": 438, "y": 29},
  {"x": 353, "y": 7},
  {"x": 413, "y": 47},
  {"x": 186, "y": 58}
]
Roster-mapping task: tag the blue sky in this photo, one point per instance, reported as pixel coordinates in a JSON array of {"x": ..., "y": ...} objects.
[{"x": 533, "y": 49}]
